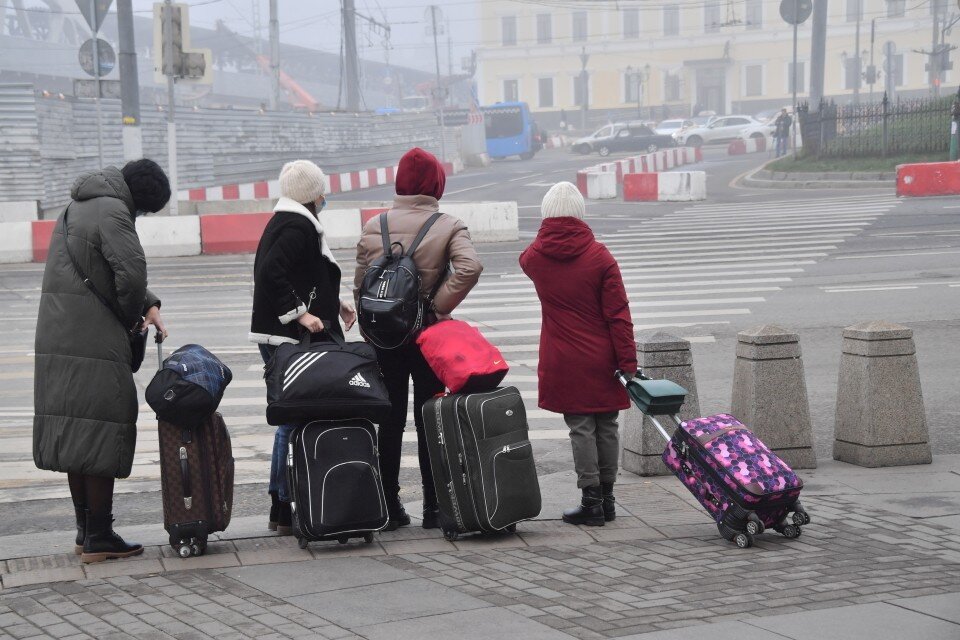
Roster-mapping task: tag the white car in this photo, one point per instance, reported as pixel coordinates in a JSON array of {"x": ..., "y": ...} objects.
[
  {"x": 759, "y": 130},
  {"x": 722, "y": 129},
  {"x": 670, "y": 127}
]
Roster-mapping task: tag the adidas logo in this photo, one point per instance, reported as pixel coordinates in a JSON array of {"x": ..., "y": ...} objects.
[{"x": 358, "y": 381}]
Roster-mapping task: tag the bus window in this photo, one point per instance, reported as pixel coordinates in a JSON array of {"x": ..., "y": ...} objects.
[{"x": 503, "y": 122}]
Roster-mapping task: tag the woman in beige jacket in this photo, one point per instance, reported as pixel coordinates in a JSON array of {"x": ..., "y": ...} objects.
[{"x": 419, "y": 185}]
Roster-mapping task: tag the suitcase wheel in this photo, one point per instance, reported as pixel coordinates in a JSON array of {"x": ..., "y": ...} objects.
[
  {"x": 302, "y": 543},
  {"x": 743, "y": 540},
  {"x": 791, "y": 531},
  {"x": 451, "y": 536},
  {"x": 343, "y": 539},
  {"x": 185, "y": 551},
  {"x": 754, "y": 524},
  {"x": 800, "y": 516},
  {"x": 368, "y": 538}
]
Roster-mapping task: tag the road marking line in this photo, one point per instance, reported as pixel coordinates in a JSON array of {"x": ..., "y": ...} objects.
[{"x": 895, "y": 255}]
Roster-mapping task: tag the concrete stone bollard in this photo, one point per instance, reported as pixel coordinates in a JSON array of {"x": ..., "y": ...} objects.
[
  {"x": 880, "y": 419},
  {"x": 660, "y": 355},
  {"x": 770, "y": 393}
]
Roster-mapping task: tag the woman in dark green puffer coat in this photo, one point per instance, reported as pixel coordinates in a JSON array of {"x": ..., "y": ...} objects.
[{"x": 85, "y": 399}]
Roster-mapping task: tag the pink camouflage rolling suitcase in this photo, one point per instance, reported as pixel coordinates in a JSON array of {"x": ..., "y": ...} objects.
[{"x": 737, "y": 479}]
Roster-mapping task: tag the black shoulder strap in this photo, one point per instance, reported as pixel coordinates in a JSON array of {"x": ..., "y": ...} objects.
[
  {"x": 83, "y": 276},
  {"x": 385, "y": 233},
  {"x": 423, "y": 232}
]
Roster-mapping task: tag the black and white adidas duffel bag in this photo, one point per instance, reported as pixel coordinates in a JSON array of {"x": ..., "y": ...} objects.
[{"x": 328, "y": 380}]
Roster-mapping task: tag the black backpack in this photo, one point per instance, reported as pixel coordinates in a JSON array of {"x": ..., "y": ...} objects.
[{"x": 390, "y": 309}]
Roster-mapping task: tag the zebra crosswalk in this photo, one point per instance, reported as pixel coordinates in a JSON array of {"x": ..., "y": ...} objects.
[{"x": 693, "y": 271}]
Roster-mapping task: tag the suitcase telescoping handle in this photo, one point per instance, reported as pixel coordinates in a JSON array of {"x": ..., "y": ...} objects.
[
  {"x": 625, "y": 381},
  {"x": 158, "y": 338}
]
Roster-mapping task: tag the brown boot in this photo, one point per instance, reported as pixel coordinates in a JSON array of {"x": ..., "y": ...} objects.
[{"x": 102, "y": 543}]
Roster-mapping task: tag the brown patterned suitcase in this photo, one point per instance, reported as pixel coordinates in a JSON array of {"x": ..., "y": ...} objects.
[
  {"x": 196, "y": 475},
  {"x": 196, "y": 478}
]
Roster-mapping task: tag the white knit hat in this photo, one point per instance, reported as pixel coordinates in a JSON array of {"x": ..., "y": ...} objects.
[
  {"x": 562, "y": 200},
  {"x": 302, "y": 181}
]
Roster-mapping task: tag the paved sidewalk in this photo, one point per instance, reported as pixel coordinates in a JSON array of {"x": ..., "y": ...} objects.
[{"x": 880, "y": 560}]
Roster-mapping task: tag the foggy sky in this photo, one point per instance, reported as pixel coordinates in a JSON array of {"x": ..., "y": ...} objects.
[{"x": 316, "y": 24}]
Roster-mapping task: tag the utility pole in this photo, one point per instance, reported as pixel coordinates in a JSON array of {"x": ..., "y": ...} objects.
[
  {"x": 858, "y": 66},
  {"x": 872, "y": 69},
  {"x": 172, "y": 64},
  {"x": 584, "y": 58},
  {"x": 129, "y": 84},
  {"x": 95, "y": 30},
  {"x": 351, "y": 62},
  {"x": 818, "y": 51},
  {"x": 934, "y": 65},
  {"x": 439, "y": 93},
  {"x": 274, "y": 56}
]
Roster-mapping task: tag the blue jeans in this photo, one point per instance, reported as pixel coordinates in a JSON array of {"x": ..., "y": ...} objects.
[
  {"x": 782, "y": 145},
  {"x": 281, "y": 442}
]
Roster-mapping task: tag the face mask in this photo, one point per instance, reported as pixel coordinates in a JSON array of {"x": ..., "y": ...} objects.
[{"x": 321, "y": 204}]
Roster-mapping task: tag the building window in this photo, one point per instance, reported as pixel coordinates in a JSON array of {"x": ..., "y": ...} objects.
[
  {"x": 511, "y": 91},
  {"x": 754, "y": 14},
  {"x": 544, "y": 28},
  {"x": 508, "y": 28},
  {"x": 896, "y": 8},
  {"x": 578, "y": 91},
  {"x": 801, "y": 83},
  {"x": 671, "y": 20},
  {"x": 753, "y": 80},
  {"x": 631, "y": 24},
  {"x": 851, "y": 73},
  {"x": 671, "y": 87},
  {"x": 545, "y": 89},
  {"x": 854, "y": 10},
  {"x": 631, "y": 87},
  {"x": 579, "y": 26},
  {"x": 896, "y": 69},
  {"x": 711, "y": 17}
]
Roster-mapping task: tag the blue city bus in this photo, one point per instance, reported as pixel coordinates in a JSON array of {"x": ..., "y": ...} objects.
[{"x": 511, "y": 130}]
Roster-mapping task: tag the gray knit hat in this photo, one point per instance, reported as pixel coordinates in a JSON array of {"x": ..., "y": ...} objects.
[
  {"x": 302, "y": 181},
  {"x": 562, "y": 200}
]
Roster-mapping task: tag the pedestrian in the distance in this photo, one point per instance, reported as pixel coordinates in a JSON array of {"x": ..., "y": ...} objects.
[
  {"x": 586, "y": 335},
  {"x": 85, "y": 398},
  {"x": 296, "y": 287},
  {"x": 781, "y": 132},
  {"x": 419, "y": 184}
]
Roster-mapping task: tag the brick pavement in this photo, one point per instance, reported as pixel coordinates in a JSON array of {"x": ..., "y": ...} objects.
[{"x": 662, "y": 568}]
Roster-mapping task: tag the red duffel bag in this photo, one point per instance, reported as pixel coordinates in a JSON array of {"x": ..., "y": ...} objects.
[{"x": 461, "y": 357}]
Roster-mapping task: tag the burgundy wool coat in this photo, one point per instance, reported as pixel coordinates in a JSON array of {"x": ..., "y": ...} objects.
[{"x": 587, "y": 331}]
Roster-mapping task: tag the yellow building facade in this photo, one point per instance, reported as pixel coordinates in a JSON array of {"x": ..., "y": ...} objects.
[{"x": 677, "y": 58}]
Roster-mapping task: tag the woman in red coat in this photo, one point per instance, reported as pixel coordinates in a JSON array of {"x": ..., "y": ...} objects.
[{"x": 587, "y": 334}]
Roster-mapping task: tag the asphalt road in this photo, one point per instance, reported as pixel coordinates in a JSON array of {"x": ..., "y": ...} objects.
[{"x": 812, "y": 261}]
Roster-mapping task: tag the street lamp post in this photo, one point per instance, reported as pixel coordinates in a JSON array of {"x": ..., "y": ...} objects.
[
  {"x": 633, "y": 75},
  {"x": 584, "y": 57}
]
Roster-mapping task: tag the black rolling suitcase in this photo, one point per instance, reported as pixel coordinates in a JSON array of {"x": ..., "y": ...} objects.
[
  {"x": 482, "y": 461},
  {"x": 335, "y": 486}
]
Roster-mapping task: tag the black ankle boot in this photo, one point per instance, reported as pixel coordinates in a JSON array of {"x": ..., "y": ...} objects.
[
  {"x": 397, "y": 514},
  {"x": 274, "y": 511},
  {"x": 81, "y": 513},
  {"x": 431, "y": 510},
  {"x": 284, "y": 518},
  {"x": 102, "y": 543},
  {"x": 609, "y": 502},
  {"x": 590, "y": 511}
]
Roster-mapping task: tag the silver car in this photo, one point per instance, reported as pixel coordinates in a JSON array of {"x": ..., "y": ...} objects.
[{"x": 722, "y": 129}]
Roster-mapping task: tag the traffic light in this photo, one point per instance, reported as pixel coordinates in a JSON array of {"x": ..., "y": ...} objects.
[
  {"x": 170, "y": 64},
  {"x": 184, "y": 63}
]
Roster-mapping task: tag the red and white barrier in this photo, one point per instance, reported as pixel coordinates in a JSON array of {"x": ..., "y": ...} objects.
[
  {"x": 676, "y": 186},
  {"x": 929, "y": 179},
  {"x": 167, "y": 236},
  {"x": 750, "y": 145},
  {"x": 556, "y": 142},
  {"x": 270, "y": 189},
  {"x": 654, "y": 162}
]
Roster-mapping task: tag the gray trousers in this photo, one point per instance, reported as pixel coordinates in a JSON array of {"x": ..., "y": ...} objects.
[{"x": 596, "y": 447}]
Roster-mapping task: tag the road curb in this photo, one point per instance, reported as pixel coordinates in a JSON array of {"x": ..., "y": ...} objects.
[{"x": 762, "y": 178}]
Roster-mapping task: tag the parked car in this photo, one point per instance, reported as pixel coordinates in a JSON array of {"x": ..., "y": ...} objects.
[
  {"x": 633, "y": 136},
  {"x": 762, "y": 129},
  {"x": 670, "y": 127},
  {"x": 722, "y": 129}
]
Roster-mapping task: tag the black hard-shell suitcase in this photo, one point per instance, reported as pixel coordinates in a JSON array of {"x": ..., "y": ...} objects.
[
  {"x": 196, "y": 478},
  {"x": 335, "y": 486},
  {"x": 482, "y": 461}
]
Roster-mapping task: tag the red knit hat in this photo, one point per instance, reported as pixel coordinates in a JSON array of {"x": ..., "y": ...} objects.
[{"x": 420, "y": 174}]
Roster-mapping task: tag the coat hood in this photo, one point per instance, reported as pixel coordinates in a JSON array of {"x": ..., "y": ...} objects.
[
  {"x": 563, "y": 238},
  {"x": 106, "y": 183},
  {"x": 420, "y": 174}
]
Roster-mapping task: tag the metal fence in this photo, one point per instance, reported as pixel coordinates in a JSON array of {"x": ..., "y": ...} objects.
[{"x": 879, "y": 129}]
